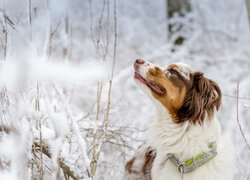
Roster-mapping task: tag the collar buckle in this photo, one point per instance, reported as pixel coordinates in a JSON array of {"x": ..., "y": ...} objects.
[{"x": 180, "y": 168}]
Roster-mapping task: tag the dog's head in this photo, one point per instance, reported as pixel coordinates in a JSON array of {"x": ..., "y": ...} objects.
[{"x": 186, "y": 94}]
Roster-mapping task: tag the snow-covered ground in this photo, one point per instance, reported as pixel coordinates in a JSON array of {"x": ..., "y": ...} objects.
[{"x": 57, "y": 86}]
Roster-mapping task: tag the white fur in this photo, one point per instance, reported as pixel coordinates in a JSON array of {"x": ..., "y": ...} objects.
[
  {"x": 186, "y": 141},
  {"x": 143, "y": 69},
  {"x": 183, "y": 69}
]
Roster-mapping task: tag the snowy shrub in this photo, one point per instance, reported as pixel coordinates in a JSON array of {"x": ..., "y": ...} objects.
[{"x": 69, "y": 108}]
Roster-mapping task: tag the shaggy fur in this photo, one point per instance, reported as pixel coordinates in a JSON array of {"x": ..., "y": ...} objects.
[{"x": 185, "y": 125}]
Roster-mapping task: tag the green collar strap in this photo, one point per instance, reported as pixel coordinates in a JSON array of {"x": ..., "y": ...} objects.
[{"x": 192, "y": 164}]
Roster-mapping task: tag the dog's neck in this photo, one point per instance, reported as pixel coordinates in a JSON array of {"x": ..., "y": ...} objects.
[{"x": 184, "y": 140}]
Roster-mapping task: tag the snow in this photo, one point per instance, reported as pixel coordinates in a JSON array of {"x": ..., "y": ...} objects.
[
  {"x": 60, "y": 90},
  {"x": 16, "y": 74}
]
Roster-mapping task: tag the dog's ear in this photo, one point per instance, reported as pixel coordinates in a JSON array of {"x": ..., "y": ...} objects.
[
  {"x": 201, "y": 99},
  {"x": 208, "y": 91},
  {"x": 215, "y": 96}
]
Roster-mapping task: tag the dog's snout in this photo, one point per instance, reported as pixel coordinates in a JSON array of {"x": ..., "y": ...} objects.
[{"x": 139, "y": 61}]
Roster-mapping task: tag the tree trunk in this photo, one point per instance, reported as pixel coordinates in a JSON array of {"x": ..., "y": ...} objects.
[
  {"x": 248, "y": 10},
  {"x": 179, "y": 7}
]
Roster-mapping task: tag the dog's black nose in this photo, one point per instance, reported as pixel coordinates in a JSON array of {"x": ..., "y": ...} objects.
[{"x": 139, "y": 61}]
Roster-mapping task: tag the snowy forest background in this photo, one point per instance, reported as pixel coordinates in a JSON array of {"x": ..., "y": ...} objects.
[{"x": 69, "y": 107}]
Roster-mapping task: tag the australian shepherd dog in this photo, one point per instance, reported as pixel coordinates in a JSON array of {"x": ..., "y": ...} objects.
[{"x": 184, "y": 141}]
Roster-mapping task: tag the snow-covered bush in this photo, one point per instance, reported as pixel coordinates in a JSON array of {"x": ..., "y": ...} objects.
[{"x": 69, "y": 108}]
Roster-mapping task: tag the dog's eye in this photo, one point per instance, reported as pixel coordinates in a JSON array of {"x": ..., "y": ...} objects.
[
  {"x": 174, "y": 72},
  {"x": 168, "y": 74}
]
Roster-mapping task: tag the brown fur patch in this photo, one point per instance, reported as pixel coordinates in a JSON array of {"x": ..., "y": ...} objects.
[
  {"x": 129, "y": 166},
  {"x": 175, "y": 90},
  {"x": 173, "y": 66},
  {"x": 4, "y": 129},
  {"x": 148, "y": 162},
  {"x": 145, "y": 155},
  {"x": 201, "y": 99}
]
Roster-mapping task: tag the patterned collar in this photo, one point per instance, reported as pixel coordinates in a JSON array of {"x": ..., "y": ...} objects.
[{"x": 192, "y": 164}]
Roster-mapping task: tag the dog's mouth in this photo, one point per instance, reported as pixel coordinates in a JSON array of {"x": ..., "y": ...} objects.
[{"x": 152, "y": 86}]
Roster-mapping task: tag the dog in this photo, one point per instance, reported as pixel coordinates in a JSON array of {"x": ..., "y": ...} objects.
[{"x": 185, "y": 139}]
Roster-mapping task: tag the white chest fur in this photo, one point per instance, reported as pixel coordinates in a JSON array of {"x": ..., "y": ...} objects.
[{"x": 187, "y": 141}]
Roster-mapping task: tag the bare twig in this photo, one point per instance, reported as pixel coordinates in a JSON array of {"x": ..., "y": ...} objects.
[
  {"x": 94, "y": 161},
  {"x": 30, "y": 19},
  {"x": 5, "y": 31},
  {"x": 7, "y": 20},
  {"x": 52, "y": 32},
  {"x": 65, "y": 49},
  {"x": 71, "y": 42},
  {"x": 19, "y": 17},
  {"x": 231, "y": 96},
  {"x": 35, "y": 158},
  {"x": 248, "y": 11},
  {"x": 113, "y": 69},
  {"x": 100, "y": 28},
  {"x": 91, "y": 22},
  {"x": 5, "y": 42},
  {"x": 238, "y": 118},
  {"x": 118, "y": 144},
  {"x": 65, "y": 168},
  {"x": 37, "y": 108},
  {"x": 107, "y": 37},
  {"x": 34, "y": 149}
]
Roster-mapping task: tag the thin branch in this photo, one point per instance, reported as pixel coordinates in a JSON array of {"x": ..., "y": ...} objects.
[
  {"x": 39, "y": 159},
  {"x": 91, "y": 22},
  {"x": 238, "y": 118},
  {"x": 7, "y": 20},
  {"x": 30, "y": 20},
  {"x": 37, "y": 108},
  {"x": 120, "y": 145},
  {"x": 19, "y": 17},
  {"x": 113, "y": 68},
  {"x": 65, "y": 168},
  {"x": 107, "y": 45},
  {"x": 248, "y": 10},
  {"x": 52, "y": 32},
  {"x": 100, "y": 28},
  {"x": 231, "y": 96}
]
